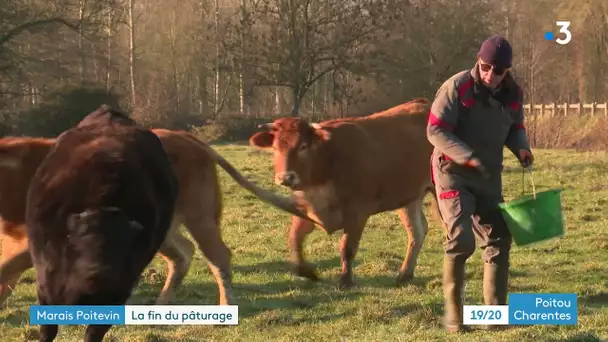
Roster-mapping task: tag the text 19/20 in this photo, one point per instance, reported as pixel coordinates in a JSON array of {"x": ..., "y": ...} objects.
[{"x": 486, "y": 314}]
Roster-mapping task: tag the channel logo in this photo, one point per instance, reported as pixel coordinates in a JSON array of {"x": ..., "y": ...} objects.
[{"x": 564, "y": 29}]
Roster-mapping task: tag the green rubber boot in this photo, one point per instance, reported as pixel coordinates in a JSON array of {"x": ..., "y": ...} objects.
[
  {"x": 453, "y": 290},
  {"x": 495, "y": 287}
]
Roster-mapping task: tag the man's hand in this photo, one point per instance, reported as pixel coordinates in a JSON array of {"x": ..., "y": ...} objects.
[
  {"x": 473, "y": 162},
  {"x": 526, "y": 158},
  {"x": 476, "y": 163}
]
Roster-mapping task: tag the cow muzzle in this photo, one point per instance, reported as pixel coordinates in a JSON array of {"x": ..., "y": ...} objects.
[{"x": 288, "y": 178}]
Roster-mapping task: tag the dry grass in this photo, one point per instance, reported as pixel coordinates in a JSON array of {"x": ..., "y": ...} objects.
[{"x": 582, "y": 133}]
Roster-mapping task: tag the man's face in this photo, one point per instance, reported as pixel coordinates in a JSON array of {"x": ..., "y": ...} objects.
[{"x": 490, "y": 74}]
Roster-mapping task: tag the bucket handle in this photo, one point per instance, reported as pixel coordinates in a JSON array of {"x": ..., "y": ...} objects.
[
  {"x": 529, "y": 169},
  {"x": 523, "y": 183}
]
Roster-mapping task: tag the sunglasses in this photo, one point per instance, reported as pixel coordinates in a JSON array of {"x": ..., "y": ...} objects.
[{"x": 496, "y": 70}]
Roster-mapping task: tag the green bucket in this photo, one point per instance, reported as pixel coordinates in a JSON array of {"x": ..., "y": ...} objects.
[{"x": 534, "y": 218}]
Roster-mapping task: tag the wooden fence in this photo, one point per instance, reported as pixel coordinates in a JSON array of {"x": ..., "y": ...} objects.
[{"x": 565, "y": 109}]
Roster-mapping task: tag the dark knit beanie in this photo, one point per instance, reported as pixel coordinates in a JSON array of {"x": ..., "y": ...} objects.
[{"x": 497, "y": 51}]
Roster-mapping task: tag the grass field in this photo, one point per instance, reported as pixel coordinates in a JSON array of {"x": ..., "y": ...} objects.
[{"x": 274, "y": 305}]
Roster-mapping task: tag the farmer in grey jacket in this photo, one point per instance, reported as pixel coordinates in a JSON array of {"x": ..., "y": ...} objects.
[{"x": 474, "y": 115}]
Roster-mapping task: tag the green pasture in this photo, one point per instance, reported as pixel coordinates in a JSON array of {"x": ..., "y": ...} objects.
[{"x": 276, "y": 306}]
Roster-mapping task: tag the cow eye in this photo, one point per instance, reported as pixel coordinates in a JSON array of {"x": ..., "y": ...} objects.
[{"x": 303, "y": 147}]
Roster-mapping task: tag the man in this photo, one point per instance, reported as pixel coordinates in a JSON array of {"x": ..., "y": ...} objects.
[{"x": 474, "y": 115}]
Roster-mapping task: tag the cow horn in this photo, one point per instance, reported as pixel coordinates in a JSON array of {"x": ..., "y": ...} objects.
[
  {"x": 266, "y": 125},
  {"x": 316, "y": 125}
]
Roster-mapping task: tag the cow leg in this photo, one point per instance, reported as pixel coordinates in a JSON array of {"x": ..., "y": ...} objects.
[
  {"x": 205, "y": 230},
  {"x": 349, "y": 244},
  {"x": 96, "y": 333},
  {"x": 413, "y": 219},
  {"x": 48, "y": 333},
  {"x": 14, "y": 263},
  {"x": 298, "y": 232},
  {"x": 177, "y": 251}
]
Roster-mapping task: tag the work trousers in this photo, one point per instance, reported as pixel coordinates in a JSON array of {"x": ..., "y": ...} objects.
[{"x": 469, "y": 208}]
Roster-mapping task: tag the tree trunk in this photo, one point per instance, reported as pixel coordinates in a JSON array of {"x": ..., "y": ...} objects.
[
  {"x": 312, "y": 100},
  {"x": 109, "y": 60},
  {"x": 298, "y": 95},
  {"x": 174, "y": 77},
  {"x": 132, "y": 52},
  {"x": 202, "y": 78},
  {"x": 242, "y": 66},
  {"x": 81, "y": 67},
  {"x": 241, "y": 94},
  {"x": 277, "y": 100},
  {"x": 325, "y": 93},
  {"x": 216, "y": 94}
]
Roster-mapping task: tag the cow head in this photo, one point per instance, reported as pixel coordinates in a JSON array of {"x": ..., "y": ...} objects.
[{"x": 298, "y": 150}]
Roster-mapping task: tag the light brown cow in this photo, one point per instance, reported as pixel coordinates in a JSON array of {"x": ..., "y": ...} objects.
[
  {"x": 199, "y": 208},
  {"x": 343, "y": 171}
]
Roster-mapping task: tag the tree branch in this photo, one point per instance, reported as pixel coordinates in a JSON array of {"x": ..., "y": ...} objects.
[{"x": 33, "y": 24}]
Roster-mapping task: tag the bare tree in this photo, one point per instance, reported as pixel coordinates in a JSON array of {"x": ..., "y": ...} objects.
[
  {"x": 300, "y": 41},
  {"x": 131, "y": 24}
]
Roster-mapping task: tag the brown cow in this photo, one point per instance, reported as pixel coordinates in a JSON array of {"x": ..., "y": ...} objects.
[
  {"x": 198, "y": 209},
  {"x": 343, "y": 171}
]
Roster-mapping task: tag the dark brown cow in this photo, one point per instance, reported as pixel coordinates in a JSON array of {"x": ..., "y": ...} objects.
[
  {"x": 98, "y": 209},
  {"x": 343, "y": 171}
]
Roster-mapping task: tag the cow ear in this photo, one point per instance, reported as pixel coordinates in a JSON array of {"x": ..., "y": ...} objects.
[
  {"x": 261, "y": 140},
  {"x": 323, "y": 134},
  {"x": 320, "y": 132}
]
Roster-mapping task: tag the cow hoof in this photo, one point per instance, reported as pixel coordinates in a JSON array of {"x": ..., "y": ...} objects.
[
  {"x": 306, "y": 271},
  {"x": 4, "y": 294},
  {"x": 163, "y": 300},
  {"x": 346, "y": 282},
  {"x": 403, "y": 279}
]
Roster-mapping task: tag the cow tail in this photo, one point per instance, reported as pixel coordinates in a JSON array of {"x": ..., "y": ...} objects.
[
  {"x": 435, "y": 212},
  {"x": 267, "y": 196}
]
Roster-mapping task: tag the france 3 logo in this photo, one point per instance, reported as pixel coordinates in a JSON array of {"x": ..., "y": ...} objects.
[{"x": 565, "y": 34}]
